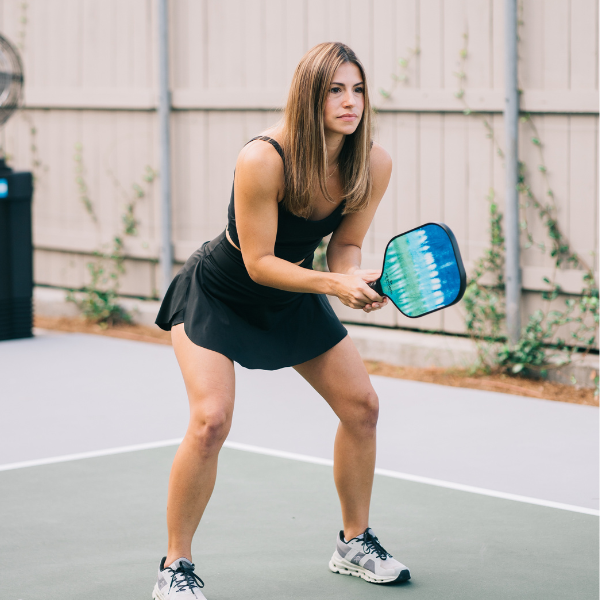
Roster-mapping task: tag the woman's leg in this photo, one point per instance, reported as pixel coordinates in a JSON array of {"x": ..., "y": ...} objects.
[
  {"x": 340, "y": 376},
  {"x": 210, "y": 383}
]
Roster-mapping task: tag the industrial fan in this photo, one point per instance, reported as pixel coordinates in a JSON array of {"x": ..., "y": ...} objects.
[{"x": 16, "y": 189}]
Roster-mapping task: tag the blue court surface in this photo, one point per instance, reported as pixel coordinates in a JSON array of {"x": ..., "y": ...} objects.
[{"x": 483, "y": 495}]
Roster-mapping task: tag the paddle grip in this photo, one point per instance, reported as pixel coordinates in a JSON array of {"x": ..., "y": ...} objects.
[{"x": 376, "y": 285}]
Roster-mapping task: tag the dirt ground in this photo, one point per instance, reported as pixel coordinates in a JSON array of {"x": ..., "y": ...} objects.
[{"x": 498, "y": 382}]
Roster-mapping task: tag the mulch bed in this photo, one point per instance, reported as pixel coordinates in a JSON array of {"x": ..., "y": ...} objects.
[{"x": 497, "y": 382}]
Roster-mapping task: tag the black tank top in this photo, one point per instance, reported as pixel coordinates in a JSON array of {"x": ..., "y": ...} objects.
[{"x": 297, "y": 237}]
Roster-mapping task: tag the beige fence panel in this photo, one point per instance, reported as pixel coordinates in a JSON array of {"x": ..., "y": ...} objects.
[{"x": 90, "y": 84}]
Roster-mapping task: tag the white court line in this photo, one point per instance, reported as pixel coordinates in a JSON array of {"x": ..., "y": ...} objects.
[
  {"x": 93, "y": 454},
  {"x": 307, "y": 459}
]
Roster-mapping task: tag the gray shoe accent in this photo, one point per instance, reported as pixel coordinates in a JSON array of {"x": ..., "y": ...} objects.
[
  {"x": 342, "y": 549},
  {"x": 356, "y": 559},
  {"x": 370, "y": 565},
  {"x": 161, "y": 582}
]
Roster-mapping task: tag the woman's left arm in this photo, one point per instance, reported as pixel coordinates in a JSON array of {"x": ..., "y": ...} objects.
[{"x": 344, "y": 249}]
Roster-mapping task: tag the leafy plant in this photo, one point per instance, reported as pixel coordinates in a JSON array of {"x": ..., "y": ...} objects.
[
  {"x": 538, "y": 348},
  {"x": 98, "y": 299}
]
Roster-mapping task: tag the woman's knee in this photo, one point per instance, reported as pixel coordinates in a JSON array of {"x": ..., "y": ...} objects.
[
  {"x": 364, "y": 412},
  {"x": 209, "y": 427}
]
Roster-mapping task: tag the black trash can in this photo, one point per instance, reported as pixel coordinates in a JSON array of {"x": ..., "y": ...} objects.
[{"x": 16, "y": 254}]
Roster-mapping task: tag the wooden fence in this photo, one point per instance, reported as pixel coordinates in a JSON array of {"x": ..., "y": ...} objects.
[{"x": 90, "y": 69}]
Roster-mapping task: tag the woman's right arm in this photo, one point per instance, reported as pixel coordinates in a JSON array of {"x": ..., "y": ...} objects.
[{"x": 257, "y": 187}]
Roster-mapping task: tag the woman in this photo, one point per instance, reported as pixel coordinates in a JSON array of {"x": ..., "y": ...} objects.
[{"x": 251, "y": 296}]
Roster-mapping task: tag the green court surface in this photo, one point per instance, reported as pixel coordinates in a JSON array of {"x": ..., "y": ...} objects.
[{"x": 94, "y": 529}]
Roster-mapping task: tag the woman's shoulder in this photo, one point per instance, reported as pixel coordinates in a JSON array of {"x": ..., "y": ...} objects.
[
  {"x": 260, "y": 154},
  {"x": 260, "y": 158}
]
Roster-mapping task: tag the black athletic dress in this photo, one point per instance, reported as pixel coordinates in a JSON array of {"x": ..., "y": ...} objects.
[{"x": 259, "y": 327}]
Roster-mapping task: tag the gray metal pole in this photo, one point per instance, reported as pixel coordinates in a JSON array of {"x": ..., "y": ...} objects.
[
  {"x": 511, "y": 214},
  {"x": 164, "y": 113}
]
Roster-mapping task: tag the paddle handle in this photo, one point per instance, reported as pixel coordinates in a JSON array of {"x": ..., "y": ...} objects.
[{"x": 376, "y": 285}]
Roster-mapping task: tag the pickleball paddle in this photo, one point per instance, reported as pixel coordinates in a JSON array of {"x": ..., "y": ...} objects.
[{"x": 422, "y": 271}]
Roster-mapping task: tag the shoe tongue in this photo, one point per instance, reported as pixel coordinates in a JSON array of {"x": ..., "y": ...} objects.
[
  {"x": 176, "y": 563},
  {"x": 362, "y": 535},
  {"x": 358, "y": 537}
]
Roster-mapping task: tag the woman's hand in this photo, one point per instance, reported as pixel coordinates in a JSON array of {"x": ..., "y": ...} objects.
[
  {"x": 369, "y": 275},
  {"x": 353, "y": 291}
]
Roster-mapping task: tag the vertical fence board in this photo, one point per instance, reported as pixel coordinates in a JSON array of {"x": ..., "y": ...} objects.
[
  {"x": 529, "y": 154},
  {"x": 275, "y": 42},
  {"x": 295, "y": 36},
  {"x": 123, "y": 31},
  {"x": 478, "y": 15},
  {"x": 497, "y": 45},
  {"x": 232, "y": 46},
  {"x": 431, "y": 191},
  {"x": 455, "y": 153},
  {"x": 183, "y": 49},
  {"x": 197, "y": 33},
  {"x": 38, "y": 37},
  {"x": 317, "y": 23},
  {"x": 479, "y": 163},
  {"x": 584, "y": 45},
  {"x": 97, "y": 51},
  {"x": 583, "y": 205},
  {"x": 431, "y": 58},
  {"x": 338, "y": 20},
  {"x": 406, "y": 41},
  {"x": 253, "y": 53},
  {"x": 196, "y": 188},
  {"x": 215, "y": 40},
  {"x": 531, "y": 45},
  {"x": 384, "y": 52},
  {"x": 183, "y": 133},
  {"x": 454, "y": 28},
  {"x": 557, "y": 156},
  {"x": 360, "y": 34},
  {"x": 556, "y": 45},
  {"x": 406, "y": 171}
]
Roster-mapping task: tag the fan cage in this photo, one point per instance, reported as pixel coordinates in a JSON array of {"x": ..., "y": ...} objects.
[{"x": 11, "y": 80}]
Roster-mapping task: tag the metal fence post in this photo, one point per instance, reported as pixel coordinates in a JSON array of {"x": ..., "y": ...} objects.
[
  {"x": 164, "y": 113},
  {"x": 511, "y": 218}
]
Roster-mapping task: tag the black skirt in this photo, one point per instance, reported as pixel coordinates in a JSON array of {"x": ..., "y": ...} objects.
[{"x": 259, "y": 327}]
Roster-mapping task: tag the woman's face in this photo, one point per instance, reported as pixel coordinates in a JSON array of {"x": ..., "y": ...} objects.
[{"x": 345, "y": 101}]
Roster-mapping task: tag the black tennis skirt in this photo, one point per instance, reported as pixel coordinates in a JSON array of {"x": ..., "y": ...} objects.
[{"x": 259, "y": 327}]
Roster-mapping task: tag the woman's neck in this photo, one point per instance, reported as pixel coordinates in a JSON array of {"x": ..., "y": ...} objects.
[{"x": 334, "y": 142}]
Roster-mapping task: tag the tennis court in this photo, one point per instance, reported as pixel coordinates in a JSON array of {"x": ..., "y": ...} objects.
[{"x": 482, "y": 495}]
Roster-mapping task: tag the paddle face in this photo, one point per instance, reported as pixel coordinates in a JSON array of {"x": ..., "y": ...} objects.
[{"x": 423, "y": 270}]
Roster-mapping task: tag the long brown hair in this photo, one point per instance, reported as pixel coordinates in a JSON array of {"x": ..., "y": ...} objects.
[{"x": 304, "y": 134}]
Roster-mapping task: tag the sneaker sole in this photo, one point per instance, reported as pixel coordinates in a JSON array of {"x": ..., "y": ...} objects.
[
  {"x": 346, "y": 568},
  {"x": 156, "y": 595}
]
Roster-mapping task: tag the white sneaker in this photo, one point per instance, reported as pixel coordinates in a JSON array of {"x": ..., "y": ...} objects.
[
  {"x": 363, "y": 556},
  {"x": 178, "y": 582}
]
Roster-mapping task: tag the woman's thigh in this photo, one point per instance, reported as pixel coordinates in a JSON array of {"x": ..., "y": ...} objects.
[
  {"x": 209, "y": 378},
  {"x": 340, "y": 376}
]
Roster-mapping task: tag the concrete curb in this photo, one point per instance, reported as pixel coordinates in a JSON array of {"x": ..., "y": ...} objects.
[
  {"x": 50, "y": 302},
  {"x": 412, "y": 349},
  {"x": 393, "y": 346}
]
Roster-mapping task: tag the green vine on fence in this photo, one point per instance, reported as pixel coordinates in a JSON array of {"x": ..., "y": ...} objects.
[
  {"x": 539, "y": 347},
  {"x": 98, "y": 299},
  {"x": 22, "y": 31},
  {"x": 484, "y": 304},
  {"x": 402, "y": 77}
]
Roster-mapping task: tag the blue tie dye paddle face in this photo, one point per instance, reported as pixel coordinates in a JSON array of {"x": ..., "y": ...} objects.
[{"x": 422, "y": 270}]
